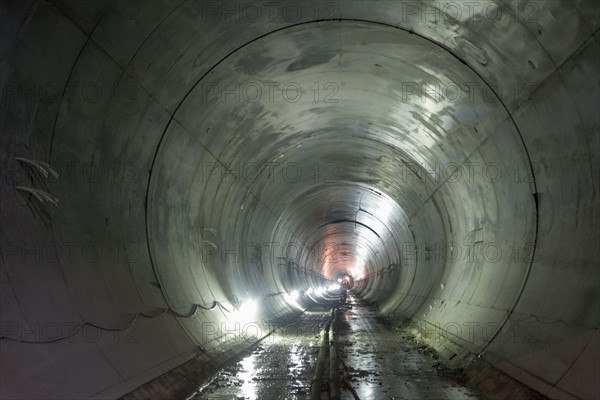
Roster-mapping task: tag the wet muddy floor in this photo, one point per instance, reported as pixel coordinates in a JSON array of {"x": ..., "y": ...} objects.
[
  {"x": 381, "y": 363},
  {"x": 384, "y": 365}
]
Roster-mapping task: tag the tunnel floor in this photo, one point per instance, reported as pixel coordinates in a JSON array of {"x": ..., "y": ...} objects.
[{"x": 380, "y": 362}]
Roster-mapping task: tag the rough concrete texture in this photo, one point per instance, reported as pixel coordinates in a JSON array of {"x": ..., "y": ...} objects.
[{"x": 165, "y": 163}]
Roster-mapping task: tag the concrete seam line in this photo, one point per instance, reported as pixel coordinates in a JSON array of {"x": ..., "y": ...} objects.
[
  {"x": 317, "y": 381},
  {"x": 334, "y": 374},
  {"x": 346, "y": 378}
]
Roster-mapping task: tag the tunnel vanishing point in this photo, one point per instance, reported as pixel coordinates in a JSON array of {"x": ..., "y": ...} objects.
[{"x": 167, "y": 163}]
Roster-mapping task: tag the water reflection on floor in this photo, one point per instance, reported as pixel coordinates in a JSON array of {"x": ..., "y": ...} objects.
[
  {"x": 281, "y": 367},
  {"x": 382, "y": 365}
]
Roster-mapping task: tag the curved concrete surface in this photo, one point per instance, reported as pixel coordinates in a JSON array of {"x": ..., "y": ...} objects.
[{"x": 443, "y": 154}]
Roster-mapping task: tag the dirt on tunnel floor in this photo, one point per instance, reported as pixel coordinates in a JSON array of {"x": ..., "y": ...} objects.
[{"x": 382, "y": 364}]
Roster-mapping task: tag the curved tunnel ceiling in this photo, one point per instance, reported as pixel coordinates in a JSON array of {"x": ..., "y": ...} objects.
[{"x": 449, "y": 165}]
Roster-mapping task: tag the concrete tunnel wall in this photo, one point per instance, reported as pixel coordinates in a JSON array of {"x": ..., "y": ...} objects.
[{"x": 132, "y": 103}]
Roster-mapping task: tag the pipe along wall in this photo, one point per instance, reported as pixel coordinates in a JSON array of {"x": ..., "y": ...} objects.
[{"x": 166, "y": 162}]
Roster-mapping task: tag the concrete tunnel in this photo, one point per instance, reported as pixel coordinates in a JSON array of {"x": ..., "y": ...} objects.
[{"x": 166, "y": 164}]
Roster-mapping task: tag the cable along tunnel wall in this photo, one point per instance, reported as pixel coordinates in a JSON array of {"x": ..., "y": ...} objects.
[{"x": 146, "y": 94}]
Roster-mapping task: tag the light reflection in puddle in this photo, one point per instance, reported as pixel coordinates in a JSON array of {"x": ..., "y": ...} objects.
[
  {"x": 272, "y": 371},
  {"x": 295, "y": 356},
  {"x": 281, "y": 367},
  {"x": 248, "y": 389},
  {"x": 234, "y": 382}
]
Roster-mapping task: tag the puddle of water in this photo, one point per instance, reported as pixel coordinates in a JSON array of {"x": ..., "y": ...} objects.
[
  {"x": 246, "y": 374},
  {"x": 233, "y": 382},
  {"x": 279, "y": 368}
]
